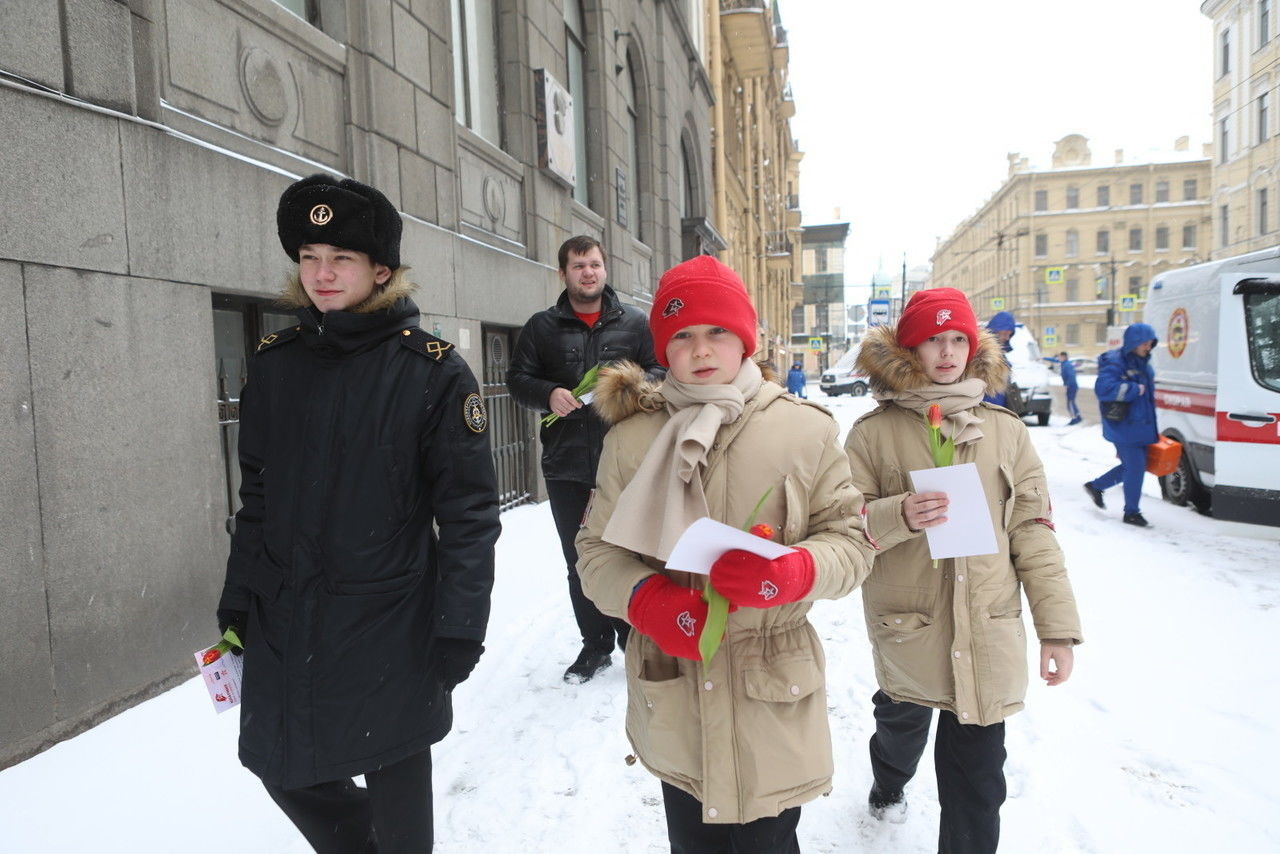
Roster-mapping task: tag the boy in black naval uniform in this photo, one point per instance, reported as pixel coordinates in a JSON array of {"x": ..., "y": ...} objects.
[{"x": 359, "y": 432}]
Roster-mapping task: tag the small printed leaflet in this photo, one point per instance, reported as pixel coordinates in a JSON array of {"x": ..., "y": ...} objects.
[{"x": 222, "y": 674}]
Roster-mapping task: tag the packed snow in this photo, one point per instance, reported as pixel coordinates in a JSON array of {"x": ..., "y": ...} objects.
[{"x": 1163, "y": 740}]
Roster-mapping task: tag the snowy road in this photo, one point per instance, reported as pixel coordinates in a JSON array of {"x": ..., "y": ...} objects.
[{"x": 1164, "y": 739}]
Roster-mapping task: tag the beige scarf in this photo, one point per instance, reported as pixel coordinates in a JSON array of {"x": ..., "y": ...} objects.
[
  {"x": 665, "y": 495},
  {"x": 957, "y": 401}
]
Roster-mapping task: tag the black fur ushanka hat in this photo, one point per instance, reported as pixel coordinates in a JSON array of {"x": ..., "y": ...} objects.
[{"x": 346, "y": 213}]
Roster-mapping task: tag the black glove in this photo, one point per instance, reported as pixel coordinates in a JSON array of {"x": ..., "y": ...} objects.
[
  {"x": 457, "y": 659},
  {"x": 230, "y": 619}
]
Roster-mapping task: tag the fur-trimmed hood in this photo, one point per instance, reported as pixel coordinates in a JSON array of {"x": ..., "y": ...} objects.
[
  {"x": 623, "y": 389},
  {"x": 892, "y": 367},
  {"x": 294, "y": 294}
]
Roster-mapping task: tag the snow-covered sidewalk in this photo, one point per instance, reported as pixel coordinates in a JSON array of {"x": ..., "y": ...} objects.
[{"x": 1164, "y": 740}]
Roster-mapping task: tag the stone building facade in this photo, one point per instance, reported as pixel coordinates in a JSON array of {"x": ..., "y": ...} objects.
[
  {"x": 757, "y": 163},
  {"x": 145, "y": 145},
  {"x": 1246, "y": 133},
  {"x": 1065, "y": 248}
]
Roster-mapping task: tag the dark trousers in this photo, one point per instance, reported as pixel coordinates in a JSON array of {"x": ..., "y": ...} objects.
[
  {"x": 568, "y": 503},
  {"x": 688, "y": 834},
  {"x": 1132, "y": 468},
  {"x": 392, "y": 816},
  {"x": 968, "y": 761},
  {"x": 1072, "y": 409}
]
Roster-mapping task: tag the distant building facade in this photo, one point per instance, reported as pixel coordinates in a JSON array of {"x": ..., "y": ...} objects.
[
  {"x": 757, "y": 163},
  {"x": 1246, "y": 133},
  {"x": 1067, "y": 248},
  {"x": 822, "y": 314},
  {"x": 145, "y": 146}
]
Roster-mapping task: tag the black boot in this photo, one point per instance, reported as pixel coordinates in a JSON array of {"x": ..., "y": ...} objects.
[
  {"x": 1095, "y": 494},
  {"x": 887, "y": 806},
  {"x": 588, "y": 663},
  {"x": 1136, "y": 519}
]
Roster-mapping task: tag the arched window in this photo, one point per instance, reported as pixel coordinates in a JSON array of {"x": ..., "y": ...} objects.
[
  {"x": 475, "y": 68},
  {"x": 631, "y": 123},
  {"x": 689, "y": 206},
  {"x": 575, "y": 48}
]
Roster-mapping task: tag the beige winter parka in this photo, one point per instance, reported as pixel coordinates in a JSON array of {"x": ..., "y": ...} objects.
[
  {"x": 748, "y": 735},
  {"x": 952, "y": 637}
]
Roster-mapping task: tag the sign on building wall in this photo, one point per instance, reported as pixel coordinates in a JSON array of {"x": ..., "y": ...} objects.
[
  {"x": 1128, "y": 302},
  {"x": 555, "y": 127},
  {"x": 1053, "y": 275},
  {"x": 817, "y": 345},
  {"x": 997, "y": 303}
]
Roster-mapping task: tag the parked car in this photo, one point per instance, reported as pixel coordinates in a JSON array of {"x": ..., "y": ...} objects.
[
  {"x": 1084, "y": 364},
  {"x": 1028, "y": 392},
  {"x": 844, "y": 378}
]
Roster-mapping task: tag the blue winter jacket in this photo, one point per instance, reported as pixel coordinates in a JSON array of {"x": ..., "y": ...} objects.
[
  {"x": 1124, "y": 375},
  {"x": 795, "y": 380},
  {"x": 1066, "y": 369}
]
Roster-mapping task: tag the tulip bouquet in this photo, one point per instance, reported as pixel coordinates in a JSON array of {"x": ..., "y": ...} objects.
[
  {"x": 584, "y": 386},
  {"x": 717, "y": 605}
]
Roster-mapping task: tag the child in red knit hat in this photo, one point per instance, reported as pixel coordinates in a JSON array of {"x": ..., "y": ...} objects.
[
  {"x": 739, "y": 741},
  {"x": 948, "y": 634}
]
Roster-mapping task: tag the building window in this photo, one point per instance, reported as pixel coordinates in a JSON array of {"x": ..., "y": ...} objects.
[
  {"x": 635, "y": 211},
  {"x": 1263, "y": 226},
  {"x": 1135, "y": 286},
  {"x": 1135, "y": 240},
  {"x": 1264, "y": 22},
  {"x": 1104, "y": 196},
  {"x": 697, "y": 25},
  {"x": 1223, "y": 140},
  {"x": 1224, "y": 229},
  {"x": 1224, "y": 66},
  {"x": 307, "y": 10},
  {"x": 1263, "y": 104},
  {"x": 1135, "y": 194},
  {"x": 1042, "y": 245},
  {"x": 575, "y": 48},
  {"x": 1162, "y": 191},
  {"x": 1162, "y": 237},
  {"x": 1073, "y": 243},
  {"x": 1073, "y": 198},
  {"x": 1072, "y": 335},
  {"x": 1104, "y": 241},
  {"x": 797, "y": 320},
  {"x": 1189, "y": 189},
  {"x": 1042, "y": 200},
  {"x": 1071, "y": 291},
  {"x": 1188, "y": 237},
  {"x": 475, "y": 68}
]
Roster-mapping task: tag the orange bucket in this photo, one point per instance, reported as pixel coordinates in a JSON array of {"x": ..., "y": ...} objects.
[{"x": 1163, "y": 456}]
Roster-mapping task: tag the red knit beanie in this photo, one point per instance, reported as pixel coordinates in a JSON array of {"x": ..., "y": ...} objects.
[
  {"x": 701, "y": 290},
  {"x": 935, "y": 311}
]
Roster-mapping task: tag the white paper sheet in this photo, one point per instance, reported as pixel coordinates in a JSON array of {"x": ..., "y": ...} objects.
[
  {"x": 968, "y": 530},
  {"x": 705, "y": 540}
]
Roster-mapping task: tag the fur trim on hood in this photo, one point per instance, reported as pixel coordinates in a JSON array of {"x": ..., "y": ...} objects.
[
  {"x": 892, "y": 367},
  {"x": 623, "y": 389},
  {"x": 294, "y": 294}
]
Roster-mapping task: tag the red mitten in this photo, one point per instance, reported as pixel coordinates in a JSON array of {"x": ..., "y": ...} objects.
[
  {"x": 672, "y": 615},
  {"x": 751, "y": 581}
]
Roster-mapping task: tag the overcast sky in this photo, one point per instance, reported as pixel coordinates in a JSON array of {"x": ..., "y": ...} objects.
[{"x": 905, "y": 111}]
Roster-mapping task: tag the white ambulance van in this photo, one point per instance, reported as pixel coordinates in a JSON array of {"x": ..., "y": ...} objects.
[{"x": 1218, "y": 383}]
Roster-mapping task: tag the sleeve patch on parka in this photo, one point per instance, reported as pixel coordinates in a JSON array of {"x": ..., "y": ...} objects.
[{"x": 473, "y": 413}]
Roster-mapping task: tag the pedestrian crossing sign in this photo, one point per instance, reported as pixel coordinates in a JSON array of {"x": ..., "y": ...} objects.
[
  {"x": 1050, "y": 340},
  {"x": 997, "y": 303},
  {"x": 816, "y": 345},
  {"x": 884, "y": 292},
  {"x": 1128, "y": 302},
  {"x": 1053, "y": 275}
]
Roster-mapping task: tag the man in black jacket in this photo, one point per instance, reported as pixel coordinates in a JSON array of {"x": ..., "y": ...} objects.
[
  {"x": 360, "y": 436},
  {"x": 588, "y": 325}
]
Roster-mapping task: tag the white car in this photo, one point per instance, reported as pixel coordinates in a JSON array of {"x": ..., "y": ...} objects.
[{"x": 1029, "y": 378}]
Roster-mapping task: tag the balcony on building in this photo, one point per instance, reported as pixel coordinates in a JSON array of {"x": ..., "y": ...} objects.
[
  {"x": 746, "y": 27},
  {"x": 778, "y": 250}
]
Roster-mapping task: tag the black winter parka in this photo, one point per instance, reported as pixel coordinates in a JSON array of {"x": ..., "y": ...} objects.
[
  {"x": 357, "y": 433},
  {"x": 556, "y": 349}
]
